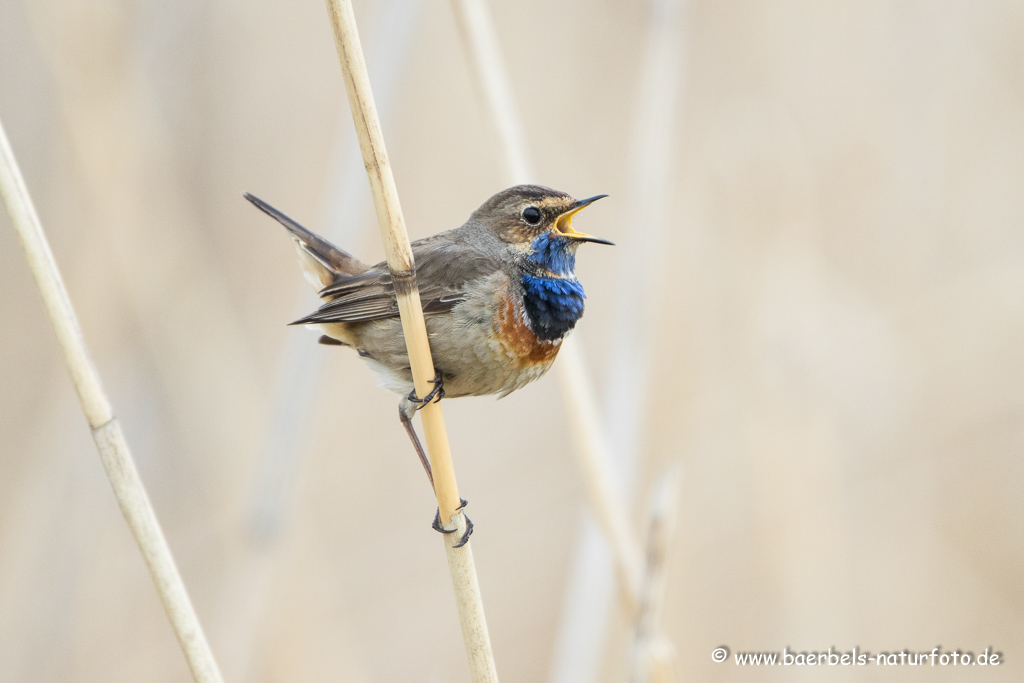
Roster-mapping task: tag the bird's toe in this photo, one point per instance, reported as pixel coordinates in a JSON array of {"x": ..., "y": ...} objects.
[
  {"x": 465, "y": 536},
  {"x": 436, "y": 525}
]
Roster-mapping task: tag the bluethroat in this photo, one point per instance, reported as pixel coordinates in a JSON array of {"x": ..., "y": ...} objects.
[{"x": 499, "y": 295}]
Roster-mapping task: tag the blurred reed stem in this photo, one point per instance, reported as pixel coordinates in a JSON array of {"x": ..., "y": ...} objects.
[
  {"x": 345, "y": 207},
  {"x": 479, "y": 38},
  {"x": 139, "y": 207},
  {"x": 398, "y": 252},
  {"x": 106, "y": 430},
  {"x": 593, "y": 443},
  {"x": 657, "y": 101},
  {"x": 652, "y": 653}
]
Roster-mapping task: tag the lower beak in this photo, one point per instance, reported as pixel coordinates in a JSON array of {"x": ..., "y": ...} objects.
[{"x": 563, "y": 224}]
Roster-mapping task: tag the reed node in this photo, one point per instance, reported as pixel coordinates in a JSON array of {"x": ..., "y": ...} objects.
[{"x": 106, "y": 430}]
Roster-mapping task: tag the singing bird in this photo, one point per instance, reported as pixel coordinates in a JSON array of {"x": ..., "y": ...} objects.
[{"x": 499, "y": 295}]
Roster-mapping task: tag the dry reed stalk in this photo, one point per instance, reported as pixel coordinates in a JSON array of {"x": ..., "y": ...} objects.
[
  {"x": 345, "y": 207},
  {"x": 161, "y": 258},
  {"x": 658, "y": 103},
  {"x": 652, "y": 653},
  {"x": 480, "y": 40},
  {"x": 403, "y": 273},
  {"x": 106, "y": 430}
]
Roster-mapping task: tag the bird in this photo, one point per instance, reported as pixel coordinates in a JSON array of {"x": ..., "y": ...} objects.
[{"x": 499, "y": 294}]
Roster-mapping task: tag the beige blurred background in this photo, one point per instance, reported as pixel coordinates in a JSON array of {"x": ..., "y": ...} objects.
[{"x": 838, "y": 360}]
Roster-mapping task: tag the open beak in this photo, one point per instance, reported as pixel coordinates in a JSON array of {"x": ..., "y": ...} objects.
[{"x": 563, "y": 224}]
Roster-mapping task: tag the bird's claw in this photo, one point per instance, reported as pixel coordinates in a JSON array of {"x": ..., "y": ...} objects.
[
  {"x": 435, "y": 395},
  {"x": 465, "y": 537},
  {"x": 436, "y": 525}
]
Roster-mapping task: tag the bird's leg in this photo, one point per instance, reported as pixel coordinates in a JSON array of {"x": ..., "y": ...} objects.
[
  {"x": 436, "y": 394},
  {"x": 411, "y": 431},
  {"x": 406, "y": 409}
]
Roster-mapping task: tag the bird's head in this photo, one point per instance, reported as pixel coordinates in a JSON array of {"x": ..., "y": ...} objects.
[{"x": 537, "y": 222}]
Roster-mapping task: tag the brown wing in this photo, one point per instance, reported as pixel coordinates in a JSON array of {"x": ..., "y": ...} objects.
[{"x": 443, "y": 267}]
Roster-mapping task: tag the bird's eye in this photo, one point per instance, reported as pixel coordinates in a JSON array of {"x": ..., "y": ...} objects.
[{"x": 531, "y": 215}]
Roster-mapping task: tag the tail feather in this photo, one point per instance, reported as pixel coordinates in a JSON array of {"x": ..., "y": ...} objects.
[{"x": 321, "y": 261}]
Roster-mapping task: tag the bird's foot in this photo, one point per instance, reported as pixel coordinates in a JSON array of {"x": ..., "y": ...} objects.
[
  {"x": 436, "y": 525},
  {"x": 435, "y": 395}
]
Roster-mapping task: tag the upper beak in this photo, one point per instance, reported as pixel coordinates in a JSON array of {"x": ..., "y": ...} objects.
[{"x": 563, "y": 224}]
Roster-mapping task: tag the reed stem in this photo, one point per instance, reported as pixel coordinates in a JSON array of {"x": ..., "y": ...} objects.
[
  {"x": 403, "y": 273},
  {"x": 652, "y": 653},
  {"x": 343, "y": 217},
  {"x": 479, "y": 38},
  {"x": 106, "y": 430},
  {"x": 627, "y": 373}
]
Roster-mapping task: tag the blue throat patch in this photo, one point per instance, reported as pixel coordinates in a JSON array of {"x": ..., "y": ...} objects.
[
  {"x": 553, "y": 302},
  {"x": 553, "y": 253}
]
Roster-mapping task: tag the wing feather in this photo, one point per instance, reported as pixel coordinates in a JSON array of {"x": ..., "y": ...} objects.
[{"x": 443, "y": 268}]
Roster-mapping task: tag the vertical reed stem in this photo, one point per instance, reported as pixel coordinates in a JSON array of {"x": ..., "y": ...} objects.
[
  {"x": 106, "y": 431},
  {"x": 658, "y": 100},
  {"x": 403, "y": 273},
  {"x": 480, "y": 41},
  {"x": 652, "y": 653}
]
